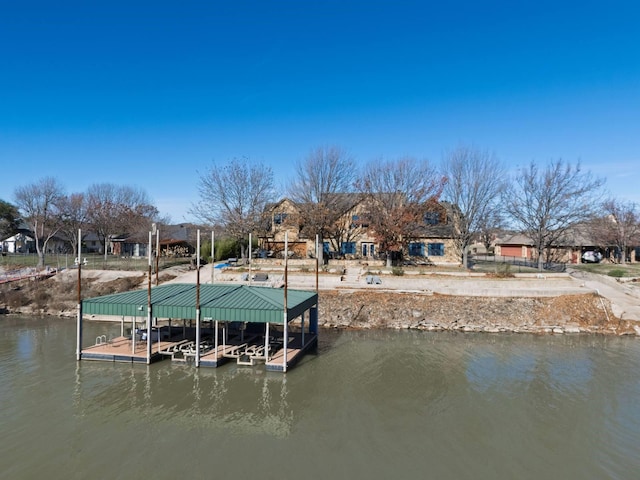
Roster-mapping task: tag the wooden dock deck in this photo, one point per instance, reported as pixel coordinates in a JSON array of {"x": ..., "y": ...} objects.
[
  {"x": 295, "y": 352},
  {"x": 120, "y": 349}
]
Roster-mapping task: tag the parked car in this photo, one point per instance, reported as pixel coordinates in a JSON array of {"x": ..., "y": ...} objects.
[{"x": 591, "y": 257}]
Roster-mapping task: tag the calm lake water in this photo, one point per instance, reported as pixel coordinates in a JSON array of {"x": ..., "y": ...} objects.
[{"x": 370, "y": 405}]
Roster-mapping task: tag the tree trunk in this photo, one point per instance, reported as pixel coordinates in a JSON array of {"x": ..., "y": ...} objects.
[
  {"x": 40, "y": 251},
  {"x": 540, "y": 260}
]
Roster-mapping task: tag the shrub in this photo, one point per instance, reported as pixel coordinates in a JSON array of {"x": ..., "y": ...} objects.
[
  {"x": 504, "y": 271},
  {"x": 15, "y": 298},
  {"x": 40, "y": 299},
  {"x": 397, "y": 271}
]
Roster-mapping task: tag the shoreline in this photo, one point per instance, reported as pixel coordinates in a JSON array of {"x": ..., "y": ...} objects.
[{"x": 538, "y": 304}]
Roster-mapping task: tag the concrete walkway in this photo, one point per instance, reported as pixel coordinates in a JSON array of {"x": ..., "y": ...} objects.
[{"x": 624, "y": 297}]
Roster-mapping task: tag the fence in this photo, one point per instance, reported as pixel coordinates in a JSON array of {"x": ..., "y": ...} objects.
[
  {"x": 61, "y": 261},
  {"x": 517, "y": 264}
]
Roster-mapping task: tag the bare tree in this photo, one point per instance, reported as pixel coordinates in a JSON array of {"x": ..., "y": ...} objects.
[
  {"x": 322, "y": 187},
  {"x": 489, "y": 227},
  {"x": 73, "y": 209},
  {"x": 618, "y": 226},
  {"x": 39, "y": 204},
  {"x": 9, "y": 217},
  {"x": 397, "y": 195},
  {"x": 475, "y": 180},
  {"x": 118, "y": 210},
  {"x": 545, "y": 204},
  {"x": 234, "y": 196}
]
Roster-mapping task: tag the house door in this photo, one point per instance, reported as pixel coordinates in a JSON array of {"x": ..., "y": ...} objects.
[{"x": 368, "y": 250}]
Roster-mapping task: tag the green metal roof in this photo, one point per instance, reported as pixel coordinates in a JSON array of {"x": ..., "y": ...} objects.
[{"x": 232, "y": 303}]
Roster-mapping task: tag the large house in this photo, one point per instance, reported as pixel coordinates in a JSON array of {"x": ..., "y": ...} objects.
[{"x": 352, "y": 238}]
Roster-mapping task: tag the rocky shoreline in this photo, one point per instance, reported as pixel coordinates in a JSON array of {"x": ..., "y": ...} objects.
[
  {"x": 395, "y": 307},
  {"x": 585, "y": 313}
]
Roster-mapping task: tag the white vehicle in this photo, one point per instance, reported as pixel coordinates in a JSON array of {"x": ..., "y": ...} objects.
[{"x": 591, "y": 257}]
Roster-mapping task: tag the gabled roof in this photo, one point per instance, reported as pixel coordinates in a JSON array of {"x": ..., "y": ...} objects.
[
  {"x": 515, "y": 239},
  {"x": 230, "y": 303}
]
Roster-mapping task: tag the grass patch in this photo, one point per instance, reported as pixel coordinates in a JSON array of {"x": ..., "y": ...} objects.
[
  {"x": 626, "y": 270},
  {"x": 617, "y": 273}
]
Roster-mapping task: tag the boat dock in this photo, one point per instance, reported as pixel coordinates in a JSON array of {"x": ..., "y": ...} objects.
[
  {"x": 123, "y": 349},
  {"x": 242, "y": 324}
]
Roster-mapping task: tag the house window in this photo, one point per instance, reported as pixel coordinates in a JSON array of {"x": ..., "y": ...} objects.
[
  {"x": 432, "y": 218},
  {"x": 348, "y": 248},
  {"x": 355, "y": 221},
  {"x": 279, "y": 218},
  {"x": 435, "y": 249},
  {"x": 416, "y": 249}
]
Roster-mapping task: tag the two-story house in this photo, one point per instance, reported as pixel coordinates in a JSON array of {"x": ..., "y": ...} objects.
[{"x": 350, "y": 235}]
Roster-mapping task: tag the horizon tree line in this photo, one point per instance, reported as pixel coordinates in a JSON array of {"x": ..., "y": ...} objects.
[
  {"x": 48, "y": 211},
  {"x": 541, "y": 201}
]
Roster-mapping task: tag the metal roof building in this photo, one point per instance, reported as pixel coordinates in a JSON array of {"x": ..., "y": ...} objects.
[
  {"x": 225, "y": 303},
  {"x": 214, "y": 303}
]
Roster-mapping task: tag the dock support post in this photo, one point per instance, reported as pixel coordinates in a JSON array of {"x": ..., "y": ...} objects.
[
  {"x": 216, "y": 336},
  {"x": 79, "y": 333},
  {"x": 149, "y": 332},
  {"x": 198, "y": 299},
  {"x": 197, "y": 337},
  {"x": 313, "y": 320},
  {"x": 149, "y": 335},
  {"x": 79, "y": 320}
]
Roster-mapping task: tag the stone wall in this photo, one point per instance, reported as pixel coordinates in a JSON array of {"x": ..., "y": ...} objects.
[{"x": 562, "y": 314}]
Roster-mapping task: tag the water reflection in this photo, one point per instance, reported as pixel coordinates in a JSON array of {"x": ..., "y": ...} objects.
[
  {"x": 371, "y": 404},
  {"x": 237, "y": 400}
]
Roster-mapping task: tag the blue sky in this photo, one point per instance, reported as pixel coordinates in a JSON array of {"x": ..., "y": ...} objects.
[{"x": 151, "y": 93}]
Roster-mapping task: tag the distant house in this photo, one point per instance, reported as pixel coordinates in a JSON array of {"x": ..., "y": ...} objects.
[
  {"x": 22, "y": 242},
  {"x": 569, "y": 248},
  {"x": 515, "y": 245},
  {"x": 91, "y": 243},
  {"x": 175, "y": 241},
  {"x": 129, "y": 245}
]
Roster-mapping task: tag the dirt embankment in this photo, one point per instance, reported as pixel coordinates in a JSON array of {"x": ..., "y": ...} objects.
[{"x": 59, "y": 295}]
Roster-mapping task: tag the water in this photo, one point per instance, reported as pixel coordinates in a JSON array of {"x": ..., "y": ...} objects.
[{"x": 375, "y": 405}]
